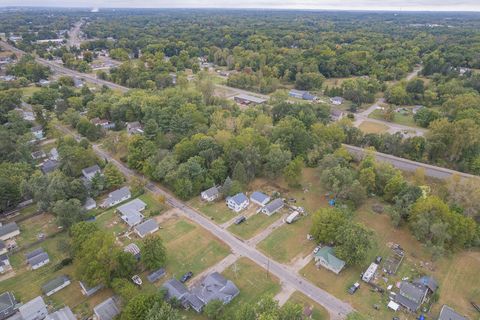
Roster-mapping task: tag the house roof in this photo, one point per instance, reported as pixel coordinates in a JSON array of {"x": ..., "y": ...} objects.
[
  {"x": 90, "y": 290},
  {"x": 250, "y": 98},
  {"x": 91, "y": 170},
  {"x": 175, "y": 289},
  {"x": 239, "y": 198},
  {"x": 118, "y": 194},
  {"x": 107, "y": 310},
  {"x": 146, "y": 227},
  {"x": 274, "y": 205},
  {"x": 42, "y": 257},
  {"x": 154, "y": 276},
  {"x": 216, "y": 287},
  {"x": 406, "y": 302},
  {"x": 132, "y": 218},
  {"x": 89, "y": 202},
  {"x": 134, "y": 206},
  {"x": 213, "y": 191},
  {"x": 428, "y": 282},
  {"x": 259, "y": 197},
  {"x": 49, "y": 166},
  {"x": 7, "y": 300},
  {"x": 3, "y": 245},
  {"x": 327, "y": 253},
  {"x": 54, "y": 283},
  {"x": 54, "y": 152},
  {"x": 33, "y": 307},
  {"x": 36, "y": 129},
  {"x": 295, "y": 91},
  {"x": 448, "y": 313},
  {"x": 336, "y": 99},
  {"x": 34, "y": 253},
  {"x": 8, "y": 228},
  {"x": 336, "y": 112},
  {"x": 62, "y": 314}
]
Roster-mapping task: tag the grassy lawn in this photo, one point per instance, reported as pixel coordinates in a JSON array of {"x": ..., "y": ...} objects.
[
  {"x": 217, "y": 211},
  {"x": 254, "y": 225},
  {"x": 110, "y": 220},
  {"x": 31, "y": 228},
  {"x": 153, "y": 205},
  {"x": 319, "y": 313},
  {"x": 29, "y": 91},
  {"x": 252, "y": 281},
  {"x": 288, "y": 241},
  {"x": 403, "y": 119},
  {"x": 189, "y": 247},
  {"x": 372, "y": 127}
]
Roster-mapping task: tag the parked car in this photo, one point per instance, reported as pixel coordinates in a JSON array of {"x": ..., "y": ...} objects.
[
  {"x": 137, "y": 280},
  {"x": 186, "y": 277},
  {"x": 378, "y": 259},
  {"x": 316, "y": 249},
  {"x": 354, "y": 288},
  {"x": 240, "y": 220}
]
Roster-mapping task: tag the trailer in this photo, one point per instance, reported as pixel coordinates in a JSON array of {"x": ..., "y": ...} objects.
[
  {"x": 370, "y": 273},
  {"x": 294, "y": 216}
]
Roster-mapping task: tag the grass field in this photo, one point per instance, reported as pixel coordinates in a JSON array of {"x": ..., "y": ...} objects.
[
  {"x": 403, "y": 119},
  {"x": 288, "y": 241},
  {"x": 254, "y": 225},
  {"x": 252, "y": 280},
  {"x": 189, "y": 247},
  {"x": 318, "y": 312},
  {"x": 217, "y": 210},
  {"x": 29, "y": 91},
  {"x": 372, "y": 127},
  {"x": 31, "y": 228}
]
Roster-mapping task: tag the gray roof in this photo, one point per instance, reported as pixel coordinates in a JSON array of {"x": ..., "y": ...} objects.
[
  {"x": 336, "y": 112},
  {"x": 194, "y": 302},
  {"x": 8, "y": 228},
  {"x": 239, "y": 198},
  {"x": 132, "y": 218},
  {"x": 7, "y": 300},
  {"x": 448, "y": 313},
  {"x": 146, "y": 227},
  {"x": 428, "y": 282},
  {"x": 40, "y": 258},
  {"x": 118, "y": 194},
  {"x": 49, "y": 166},
  {"x": 407, "y": 303},
  {"x": 410, "y": 295},
  {"x": 251, "y": 98},
  {"x": 3, "y": 245},
  {"x": 259, "y": 197},
  {"x": 134, "y": 206},
  {"x": 36, "y": 128},
  {"x": 274, "y": 205},
  {"x": 216, "y": 287},
  {"x": 34, "y": 253},
  {"x": 175, "y": 289},
  {"x": 90, "y": 290},
  {"x": 91, "y": 170},
  {"x": 33, "y": 309},
  {"x": 213, "y": 191},
  {"x": 55, "y": 283},
  {"x": 107, "y": 310},
  {"x": 154, "y": 276},
  {"x": 89, "y": 202},
  {"x": 62, "y": 314}
]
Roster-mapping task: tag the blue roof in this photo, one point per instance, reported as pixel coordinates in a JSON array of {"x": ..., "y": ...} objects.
[
  {"x": 259, "y": 197},
  {"x": 239, "y": 198}
]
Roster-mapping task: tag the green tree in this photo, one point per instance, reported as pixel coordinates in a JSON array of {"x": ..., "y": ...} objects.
[
  {"x": 293, "y": 172},
  {"x": 353, "y": 243},
  {"x": 214, "y": 309},
  {"x": 80, "y": 233},
  {"x": 240, "y": 174},
  {"x": 68, "y": 212},
  {"x": 154, "y": 253},
  {"x": 113, "y": 177},
  {"x": 162, "y": 311},
  {"x": 276, "y": 160},
  {"x": 125, "y": 288},
  {"x": 326, "y": 223}
]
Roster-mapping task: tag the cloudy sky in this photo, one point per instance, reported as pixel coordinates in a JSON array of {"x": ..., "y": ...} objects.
[{"x": 433, "y": 5}]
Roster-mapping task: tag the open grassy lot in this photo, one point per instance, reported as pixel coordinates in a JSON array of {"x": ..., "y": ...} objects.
[
  {"x": 288, "y": 241},
  {"x": 189, "y": 247},
  {"x": 32, "y": 228},
  {"x": 252, "y": 280},
  {"x": 372, "y": 127},
  {"x": 318, "y": 312},
  {"x": 254, "y": 225},
  {"x": 154, "y": 206},
  {"x": 403, "y": 119},
  {"x": 29, "y": 91},
  {"x": 217, "y": 210}
]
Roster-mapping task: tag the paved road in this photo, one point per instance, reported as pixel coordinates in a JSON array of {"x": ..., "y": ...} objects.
[
  {"x": 409, "y": 165},
  {"x": 337, "y": 308},
  {"x": 74, "y": 35}
]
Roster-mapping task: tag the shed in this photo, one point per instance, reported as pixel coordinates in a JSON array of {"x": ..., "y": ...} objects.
[
  {"x": 259, "y": 198},
  {"x": 248, "y": 99},
  {"x": 273, "y": 206},
  {"x": 157, "y": 274},
  {"x": 448, "y": 313},
  {"x": 89, "y": 291},
  {"x": 90, "y": 204},
  {"x": 148, "y": 227},
  {"x": 133, "y": 249},
  {"x": 393, "y": 305},
  {"x": 55, "y": 285}
]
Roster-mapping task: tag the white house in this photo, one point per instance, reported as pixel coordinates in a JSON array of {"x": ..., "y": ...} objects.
[
  {"x": 9, "y": 231},
  {"x": 336, "y": 100},
  {"x": 116, "y": 197},
  {"x": 238, "y": 202},
  {"x": 37, "y": 258},
  {"x": 210, "y": 195}
]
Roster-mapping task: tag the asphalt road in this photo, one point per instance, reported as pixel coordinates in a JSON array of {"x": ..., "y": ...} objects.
[{"x": 337, "y": 308}]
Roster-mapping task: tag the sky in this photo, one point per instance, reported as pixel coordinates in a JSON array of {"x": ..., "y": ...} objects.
[{"x": 394, "y": 5}]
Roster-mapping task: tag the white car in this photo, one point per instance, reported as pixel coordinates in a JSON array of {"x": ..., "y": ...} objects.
[
  {"x": 137, "y": 280},
  {"x": 316, "y": 249}
]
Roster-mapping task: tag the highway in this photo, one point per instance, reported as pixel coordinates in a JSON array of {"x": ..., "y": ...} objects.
[{"x": 337, "y": 308}]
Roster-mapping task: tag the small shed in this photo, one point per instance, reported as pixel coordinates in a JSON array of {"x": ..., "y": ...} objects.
[
  {"x": 55, "y": 285},
  {"x": 273, "y": 206},
  {"x": 157, "y": 274},
  {"x": 148, "y": 227},
  {"x": 259, "y": 198}
]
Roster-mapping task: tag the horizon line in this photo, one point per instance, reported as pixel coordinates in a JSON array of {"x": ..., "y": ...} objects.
[{"x": 394, "y": 10}]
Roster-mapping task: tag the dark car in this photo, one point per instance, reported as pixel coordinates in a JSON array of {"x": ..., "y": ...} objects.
[
  {"x": 378, "y": 259},
  {"x": 354, "y": 288},
  {"x": 186, "y": 277},
  {"x": 240, "y": 220}
]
